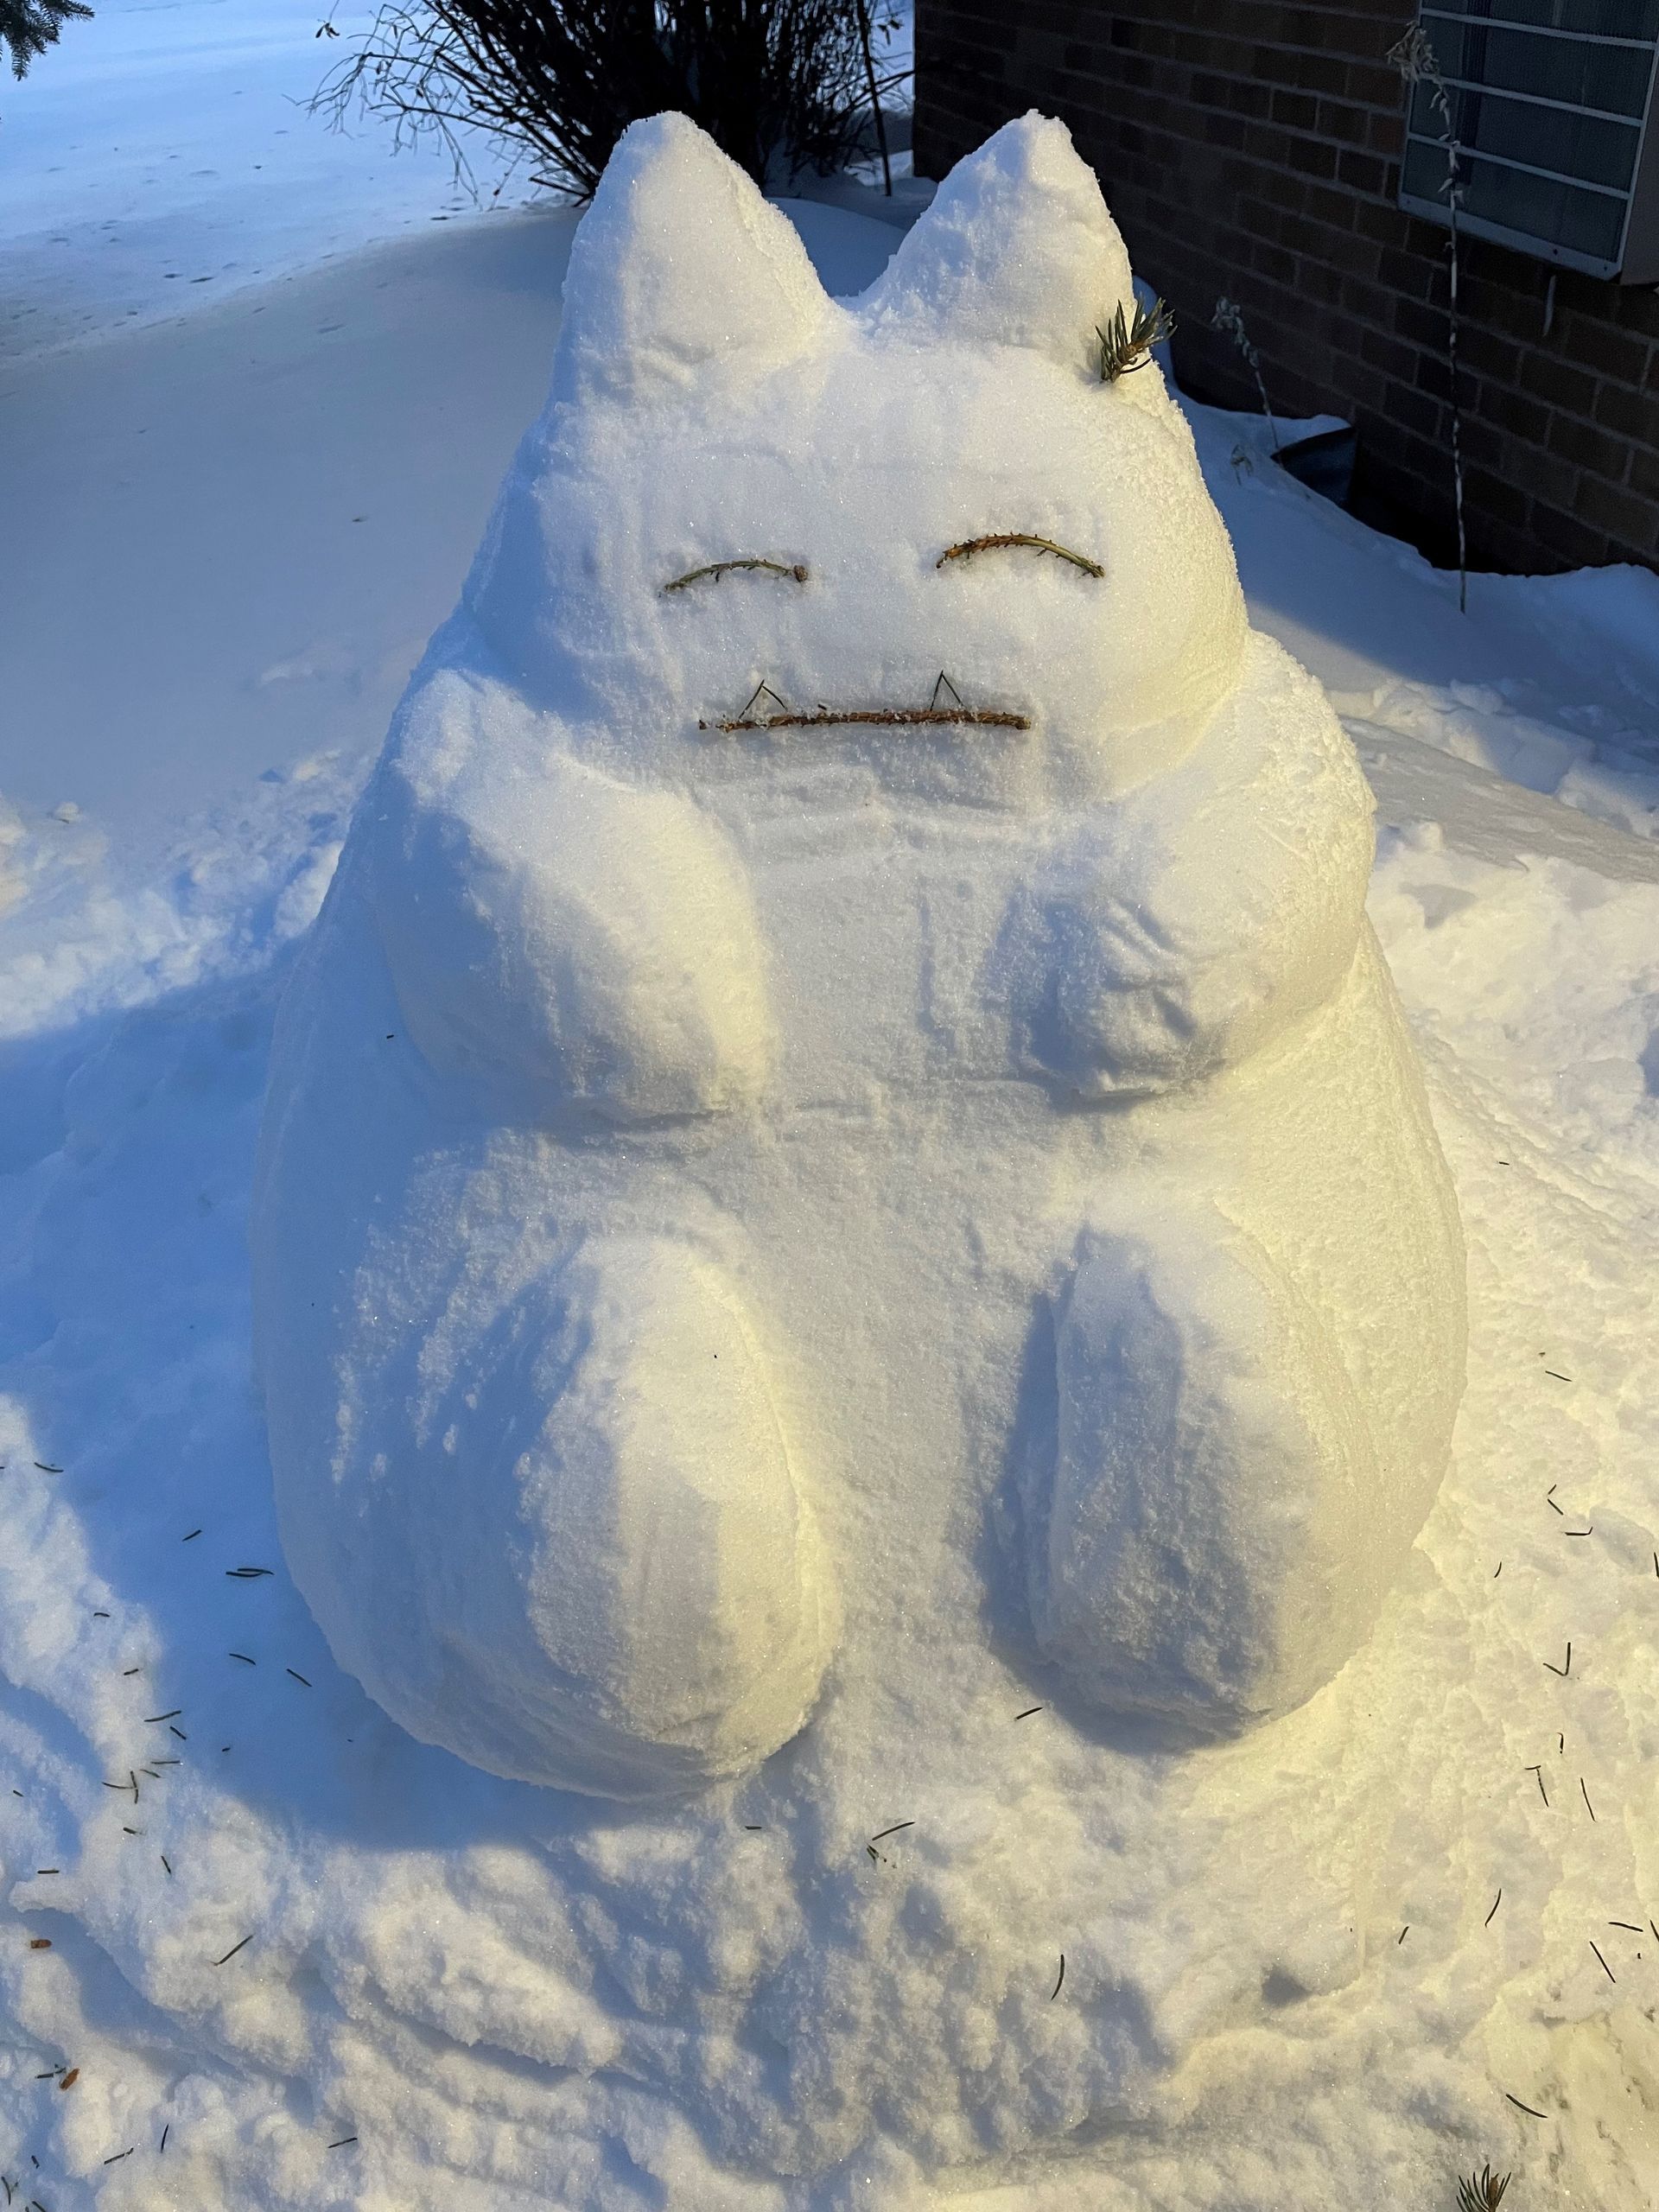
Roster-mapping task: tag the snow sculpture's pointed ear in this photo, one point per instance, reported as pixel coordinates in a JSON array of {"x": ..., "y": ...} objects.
[
  {"x": 680, "y": 273},
  {"x": 1017, "y": 249}
]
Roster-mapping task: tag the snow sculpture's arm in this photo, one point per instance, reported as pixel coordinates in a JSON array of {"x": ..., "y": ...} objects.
[
  {"x": 584, "y": 941},
  {"x": 1191, "y": 921}
]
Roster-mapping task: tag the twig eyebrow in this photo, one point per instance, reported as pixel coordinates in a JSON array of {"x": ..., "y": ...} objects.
[
  {"x": 797, "y": 571},
  {"x": 969, "y": 546}
]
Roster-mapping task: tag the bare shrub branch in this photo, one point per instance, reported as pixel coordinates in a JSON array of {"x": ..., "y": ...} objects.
[{"x": 781, "y": 85}]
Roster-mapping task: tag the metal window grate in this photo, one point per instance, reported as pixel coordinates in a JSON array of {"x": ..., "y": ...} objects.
[{"x": 1552, "y": 111}]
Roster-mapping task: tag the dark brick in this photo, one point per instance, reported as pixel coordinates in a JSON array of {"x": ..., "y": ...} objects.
[
  {"x": 1330, "y": 204},
  {"x": 1644, "y": 474},
  {"x": 1379, "y": 88},
  {"x": 1418, "y": 412},
  {"x": 1405, "y": 274},
  {"x": 1281, "y": 188},
  {"x": 1627, "y": 518},
  {"x": 1526, "y": 421},
  {"x": 1273, "y": 263},
  {"x": 1590, "y": 449},
  {"x": 1574, "y": 543},
  {"x": 1631, "y": 414},
  {"x": 1573, "y": 390},
  {"x": 1424, "y": 327},
  {"x": 1365, "y": 389},
  {"x": 1311, "y": 156},
  {"x": 1361, "y": 294},
  {"x": 1434, "y": 375},
  {"x": 1317, "y": 280},
  {"x": 1489, "y": 354},
  {"x": 1362, "y": 173},
  {"x": 1319, "y": 73},
  {"x": 1549, "y": 478},
  {"x": 1384, "y": 227},
  {"x": 1394, "y": 358},
  {"x": 1498, "y": 501},
  {"x": 1611, "y": 352},
  {"x": 1482, "y": 442},
  {"x": 1638, "y": 309},
  {"x": 1346, "y": 123},
  {"x": 1295, "y": 110},
  {"x": 1246, "y": 97}
]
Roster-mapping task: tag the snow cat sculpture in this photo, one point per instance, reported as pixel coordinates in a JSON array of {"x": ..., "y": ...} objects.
[{"x": 843, "y": 1097}]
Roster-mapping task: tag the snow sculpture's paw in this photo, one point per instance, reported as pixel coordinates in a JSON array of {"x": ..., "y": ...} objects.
[
  {"x": 575, "y": 940},
  {"x": 652, "y": 1611},
  {"x": 1126, "y": 1012},
  {"x": 1193, "y": 921},
  {"x": 1213, "y": 1473},
  {"x": 1137, "y": 1011}
]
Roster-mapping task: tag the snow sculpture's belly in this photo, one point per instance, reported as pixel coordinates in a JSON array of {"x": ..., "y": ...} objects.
[
  {"x": 882, "y": 927},
  {"x": 897, "y": 1226}
]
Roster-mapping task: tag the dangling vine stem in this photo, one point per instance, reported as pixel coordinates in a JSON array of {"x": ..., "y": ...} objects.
[{"x": 1414, "y": 57}]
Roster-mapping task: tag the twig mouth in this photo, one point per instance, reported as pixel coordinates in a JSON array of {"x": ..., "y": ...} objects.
[
  {"x": 878, "y": 718},
  {"x": 943, "y": 708}
]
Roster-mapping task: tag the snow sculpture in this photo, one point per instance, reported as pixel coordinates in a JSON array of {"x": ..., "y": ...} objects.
[{"x": 844, "y": 1050}]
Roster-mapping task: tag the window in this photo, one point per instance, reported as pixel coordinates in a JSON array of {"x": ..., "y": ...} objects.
[{"x": 1552, "y": 110}]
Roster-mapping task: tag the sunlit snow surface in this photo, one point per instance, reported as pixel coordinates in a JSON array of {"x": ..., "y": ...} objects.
[
  {"x": 415, "y": 1989},
  {"x": 166, "y": 148}
]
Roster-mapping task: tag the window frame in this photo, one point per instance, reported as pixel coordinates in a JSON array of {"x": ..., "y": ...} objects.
[{"x": 1637, "y": 261}]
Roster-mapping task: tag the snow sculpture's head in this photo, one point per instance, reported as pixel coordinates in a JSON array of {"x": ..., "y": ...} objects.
[{"x": 713, "y": 411}]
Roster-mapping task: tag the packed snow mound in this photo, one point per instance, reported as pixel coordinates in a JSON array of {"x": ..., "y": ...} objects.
[
  {"x": 842, "y": 1098},
  {"x": 13, "y": 840}
]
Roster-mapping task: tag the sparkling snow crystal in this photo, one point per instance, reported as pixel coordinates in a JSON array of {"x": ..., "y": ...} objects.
[{"x": 844, "y": 1110}]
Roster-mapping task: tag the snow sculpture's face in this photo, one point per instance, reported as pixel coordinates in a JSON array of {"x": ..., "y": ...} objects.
[{"x": 826, "y": 465}]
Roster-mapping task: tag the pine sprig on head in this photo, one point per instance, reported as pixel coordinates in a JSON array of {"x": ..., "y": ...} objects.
[
  {"x": 1126, "y": 344},
  {"x": 1482, "y": 2192}
]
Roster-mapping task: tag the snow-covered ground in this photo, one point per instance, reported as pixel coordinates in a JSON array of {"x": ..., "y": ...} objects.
[
  {"x": 165, "y": 149},
  {"x": 312, "y": 1964}
]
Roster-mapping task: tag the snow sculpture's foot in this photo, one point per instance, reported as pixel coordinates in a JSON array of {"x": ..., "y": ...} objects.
[
  {"x": 668, "y": 1620},
  {"x": 1213, "y": 1473}
]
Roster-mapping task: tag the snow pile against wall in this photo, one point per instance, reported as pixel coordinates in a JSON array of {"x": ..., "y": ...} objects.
[{"x": 13, "y": 874}]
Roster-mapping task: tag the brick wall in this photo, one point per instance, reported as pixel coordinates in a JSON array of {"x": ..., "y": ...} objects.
[{"x": 1250, "y": 150}]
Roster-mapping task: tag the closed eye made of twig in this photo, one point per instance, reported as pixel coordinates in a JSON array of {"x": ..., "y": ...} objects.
[
  {"x": 969, "y": 546},
  {"x": 794, "y": 571}
]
